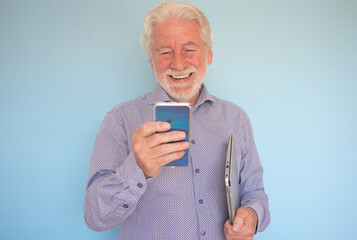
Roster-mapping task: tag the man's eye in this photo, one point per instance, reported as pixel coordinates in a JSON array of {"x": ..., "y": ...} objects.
[
  {"x": 164, "y": 51},
  {"x": 189, "y": 51}
]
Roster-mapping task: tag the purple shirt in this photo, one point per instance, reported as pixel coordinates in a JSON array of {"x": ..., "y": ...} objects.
[{"x": 182, "y": 202}]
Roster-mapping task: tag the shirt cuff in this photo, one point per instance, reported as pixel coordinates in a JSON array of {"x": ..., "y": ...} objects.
[{"x": 133, "y": 175}]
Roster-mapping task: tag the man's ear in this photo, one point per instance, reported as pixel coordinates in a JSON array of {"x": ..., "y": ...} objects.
[{"x": 210, "y": 56}]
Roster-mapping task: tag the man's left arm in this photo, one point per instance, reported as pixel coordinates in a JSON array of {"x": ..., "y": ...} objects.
[{"x": 253, "y": 215}]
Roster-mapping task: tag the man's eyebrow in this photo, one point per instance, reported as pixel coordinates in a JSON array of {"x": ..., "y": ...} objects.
[
  {"x": 191, "y": 43},
  {"x": 185, "y": 44},
  {"x": 161, "y": 47}
]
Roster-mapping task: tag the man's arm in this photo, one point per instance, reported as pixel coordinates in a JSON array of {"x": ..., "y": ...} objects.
[
  {"x": 251, "y": 179},
  {"x": 116, "y": 180},
  {"x": 112, "y": 196},
  {"x": 253, "y": 215}
]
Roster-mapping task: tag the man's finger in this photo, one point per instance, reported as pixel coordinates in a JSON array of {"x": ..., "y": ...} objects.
[
  {"x": 166, "y": 137},
  {"x": 164, "y": 149},
  {"x": 171, "y": 157},
  {"x": 150, "y": 128},
  {"x": 227, "y": 228}
]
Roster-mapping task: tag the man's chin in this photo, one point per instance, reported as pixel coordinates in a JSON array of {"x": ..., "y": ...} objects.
[
  {"x": 182, "y": 92},
  {"x": 182, "y": 95}
]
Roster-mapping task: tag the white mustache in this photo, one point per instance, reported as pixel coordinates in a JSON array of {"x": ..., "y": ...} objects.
[{"x": 184, "y": 72}]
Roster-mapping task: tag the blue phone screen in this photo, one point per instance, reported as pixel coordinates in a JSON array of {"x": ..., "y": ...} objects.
[{"x": 179, "y": 118}]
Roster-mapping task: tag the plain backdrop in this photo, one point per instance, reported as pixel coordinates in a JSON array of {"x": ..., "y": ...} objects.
[{"x": 292, "y": 65}]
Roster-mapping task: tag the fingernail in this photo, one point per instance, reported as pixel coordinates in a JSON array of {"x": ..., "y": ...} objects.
[
  {"x": 166, "y": 125},
  {"x": 182, "y": 134}
]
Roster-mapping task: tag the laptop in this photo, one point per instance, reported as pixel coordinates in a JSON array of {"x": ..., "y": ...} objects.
[{"x": 232, "y": 180}]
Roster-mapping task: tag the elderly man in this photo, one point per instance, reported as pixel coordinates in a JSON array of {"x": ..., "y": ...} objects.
[{"x": 128, "y": 183}]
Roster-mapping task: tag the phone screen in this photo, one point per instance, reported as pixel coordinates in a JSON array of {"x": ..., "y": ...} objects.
[{"x": 178, "y": 115}]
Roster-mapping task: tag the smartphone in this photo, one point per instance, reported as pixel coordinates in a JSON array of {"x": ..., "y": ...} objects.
[{"x": 179, "y": 116}]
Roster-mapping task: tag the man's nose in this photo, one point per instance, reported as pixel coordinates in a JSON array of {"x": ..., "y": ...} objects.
[{"x": 178, "y": 62}]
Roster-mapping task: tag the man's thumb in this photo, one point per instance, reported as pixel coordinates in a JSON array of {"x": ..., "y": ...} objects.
[{"x": 239, "y": 220}]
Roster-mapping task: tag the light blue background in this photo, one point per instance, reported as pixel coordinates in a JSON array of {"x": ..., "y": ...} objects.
[{"x": 292, "y": 65}]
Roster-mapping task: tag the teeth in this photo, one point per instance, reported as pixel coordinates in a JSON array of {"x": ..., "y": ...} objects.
[{"x": 181, "y": 77}]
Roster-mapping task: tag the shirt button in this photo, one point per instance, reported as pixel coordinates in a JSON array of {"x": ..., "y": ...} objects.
[
  {"x": 125, "y": 206},
  {"x": 203, "y": 233},
  {"x": 140, "y": 185},
  {"x": 193, "y": 141},
  {"x": 197, "y": 170},
  {"x": 200, "y": 201}
]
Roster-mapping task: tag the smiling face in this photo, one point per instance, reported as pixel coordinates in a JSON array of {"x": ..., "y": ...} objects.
[{"x": 179, "y": 58}]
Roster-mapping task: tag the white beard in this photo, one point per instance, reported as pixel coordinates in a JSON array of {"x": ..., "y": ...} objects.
[{"x": 186, "y": 97}]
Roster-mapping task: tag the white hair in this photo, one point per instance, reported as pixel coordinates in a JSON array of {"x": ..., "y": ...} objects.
[{"x": 179, "y": 10}]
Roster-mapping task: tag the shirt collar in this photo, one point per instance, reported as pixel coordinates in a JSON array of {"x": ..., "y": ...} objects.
[
  {"x": 159, "y": 95},
  {"x": 205, "y": 96}
]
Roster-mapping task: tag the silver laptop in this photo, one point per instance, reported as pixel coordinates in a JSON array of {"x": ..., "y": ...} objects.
[{"x": 232, "y": 180}]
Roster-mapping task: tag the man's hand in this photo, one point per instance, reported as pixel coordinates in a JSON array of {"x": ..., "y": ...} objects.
[
  {"x": 244, "y": 225},
  {"x": 154, "y": 147}
]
